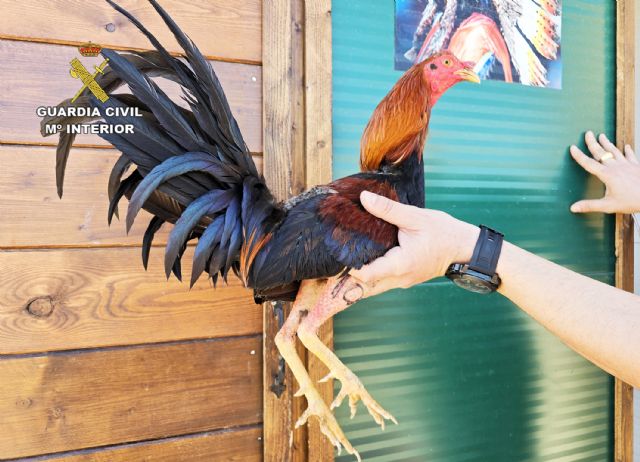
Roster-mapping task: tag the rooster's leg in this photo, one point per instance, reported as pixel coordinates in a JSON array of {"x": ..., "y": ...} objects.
[
  {"x": 286, "y": 342},
  {"x": 338, "y": 294}
]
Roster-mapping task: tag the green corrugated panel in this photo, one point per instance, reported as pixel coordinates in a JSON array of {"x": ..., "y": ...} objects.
[{"x": 470, "y": 377}]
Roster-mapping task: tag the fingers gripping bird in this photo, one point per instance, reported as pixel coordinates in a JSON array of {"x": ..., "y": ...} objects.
[{"x": 192, "y": 168}]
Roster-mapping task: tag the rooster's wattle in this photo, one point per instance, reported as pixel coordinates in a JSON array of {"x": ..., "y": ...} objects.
[{"x": 192, "y": 168}]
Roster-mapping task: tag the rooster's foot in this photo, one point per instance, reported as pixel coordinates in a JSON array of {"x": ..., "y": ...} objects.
[
  {"x": 327, "y": 421},
  {"x": 353, "y": 388}
]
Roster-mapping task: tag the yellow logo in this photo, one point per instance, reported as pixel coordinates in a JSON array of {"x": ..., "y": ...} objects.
[
  {"x": 78, "y": 71},
  {"x": 89, "y": 49}
]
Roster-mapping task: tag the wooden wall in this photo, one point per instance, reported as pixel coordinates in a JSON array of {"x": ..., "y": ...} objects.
[{"x": 100, "y": 360}]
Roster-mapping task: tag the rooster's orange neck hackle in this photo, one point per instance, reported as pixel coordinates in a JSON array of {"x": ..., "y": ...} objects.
[{"x": 398, "y": 127}]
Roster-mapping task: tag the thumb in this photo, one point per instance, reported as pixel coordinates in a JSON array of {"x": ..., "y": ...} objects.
[
  {"x": 382, "y": 207},
  {"x": 388, "y": 266},
  {"x": 591, "y": 205}
]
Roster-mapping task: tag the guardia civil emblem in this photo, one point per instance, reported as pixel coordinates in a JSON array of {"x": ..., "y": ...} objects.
[{"x": 78, "y": 71}]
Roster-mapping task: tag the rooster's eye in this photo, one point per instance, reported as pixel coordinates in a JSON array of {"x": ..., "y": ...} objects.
[{"x": 447, "y": 62}]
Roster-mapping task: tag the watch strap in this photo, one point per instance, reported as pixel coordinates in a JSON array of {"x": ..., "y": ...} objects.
[{"x": 487, "y": 251}]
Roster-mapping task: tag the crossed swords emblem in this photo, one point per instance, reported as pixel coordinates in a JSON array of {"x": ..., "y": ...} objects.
[{"x": 78, "y": 71}]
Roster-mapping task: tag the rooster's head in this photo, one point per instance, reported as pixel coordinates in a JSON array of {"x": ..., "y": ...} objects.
[
  {"x": 398, "y": 126},
  {"x": 444, "y": 70}
]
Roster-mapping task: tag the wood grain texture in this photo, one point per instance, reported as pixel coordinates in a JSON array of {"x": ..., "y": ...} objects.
[
  {"x": 283, "y": 125},
  {"x": 625, "y": 127},
  {"x": 235, "y": 445},
  {"x": 111, "y": 388},
  {"x": 36, "y": 74},
  {"x": 226, "y": 29},
  {"x": 86, "y": 298},
  {"x": 61, "y": 402},
  {"x": 297, "y": 163},
  {"x": 282, "y": 110},
  {"x": 34, "y": 216},
  {"x": 318, "y": 78},
  {"x": 318, "y": 150}
]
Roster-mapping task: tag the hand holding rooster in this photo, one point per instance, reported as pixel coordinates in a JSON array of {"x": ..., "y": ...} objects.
[
  {"x": 419, "y": 256},
  {"x": 597, "y": 320},
  {"x": 406, "y": 265}
]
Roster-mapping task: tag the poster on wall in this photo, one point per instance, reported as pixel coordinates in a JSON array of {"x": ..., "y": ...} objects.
[{"x": 508, "y": 40}]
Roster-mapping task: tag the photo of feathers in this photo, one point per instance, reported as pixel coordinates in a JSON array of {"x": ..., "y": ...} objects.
[{"x": 507, "y": 40}]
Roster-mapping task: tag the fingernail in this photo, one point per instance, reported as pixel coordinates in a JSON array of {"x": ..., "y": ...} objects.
[
  {"x": 366, "y": 196},
  {"x": 369, "y": 197},
  {"x": 574, "y": 208}
]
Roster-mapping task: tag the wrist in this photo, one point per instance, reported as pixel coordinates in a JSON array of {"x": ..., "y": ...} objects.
[
  {"x": 462, "y": 238},
  {"x": 466, "y": 239}
]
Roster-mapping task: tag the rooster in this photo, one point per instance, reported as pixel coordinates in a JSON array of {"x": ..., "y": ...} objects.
[{"x": 191, "y": 167}]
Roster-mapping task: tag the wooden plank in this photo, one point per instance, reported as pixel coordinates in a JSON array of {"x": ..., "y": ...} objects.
[
  {"x": 223, "y": 29},
  {"x": 61, "y": 402},
  {"x": 84, "y": 298},
  {"x": 625, "y": 127},
  {"x": 283, "y": 125},
  {"x": 243, "y": 444},
  {"x": 297, "y": 162},
  {"x": 34, "y": 216},
  {"x": 36, "y": 74},
  {"x": 318, "y": 150},
  {"x": 318, "y": 91}
]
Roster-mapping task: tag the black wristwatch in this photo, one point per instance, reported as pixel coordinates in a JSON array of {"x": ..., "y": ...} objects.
[{"x": 479, "y": 275}]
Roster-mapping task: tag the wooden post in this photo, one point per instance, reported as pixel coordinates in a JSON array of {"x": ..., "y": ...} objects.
[
  {"x": 318, "y": 124},
  {"x": 625, "y": 127},
  {"x": 283, "y": 130},
  {"x": 297, "y": 155}
]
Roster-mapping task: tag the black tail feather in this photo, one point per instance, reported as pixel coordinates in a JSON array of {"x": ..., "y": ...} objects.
[
  {"x": 192, "y": 166},
  {"x": 206, "y": 243},
  {"x": 207, "y": 204},
  {"x": 148, "y": 62},
  {"x": 165, "y": 110},
  {"x": 120, "y": 167},
  {"x": 152, "y": 229},
  {"x": 126, "y": 186},
  {"x": 213, "y": 89}
]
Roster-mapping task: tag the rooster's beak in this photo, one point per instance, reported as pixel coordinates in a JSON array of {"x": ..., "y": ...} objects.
[{"x": 468, "y": 74}]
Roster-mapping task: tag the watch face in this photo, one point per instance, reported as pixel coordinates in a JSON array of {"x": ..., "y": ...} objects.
[{"x": 473, "y": 283}]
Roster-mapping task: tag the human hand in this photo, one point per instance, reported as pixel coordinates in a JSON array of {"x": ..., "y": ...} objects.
[
  {"x": 620, "y": 175},
  {"x": 429, "y": 241}
]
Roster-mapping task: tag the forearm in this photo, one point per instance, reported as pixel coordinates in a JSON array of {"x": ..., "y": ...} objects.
[{"x": 598, "y": 321}]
